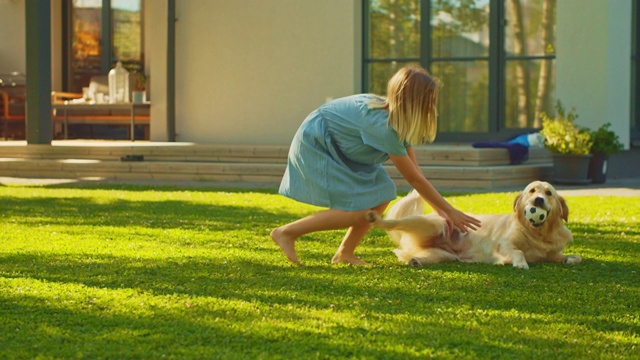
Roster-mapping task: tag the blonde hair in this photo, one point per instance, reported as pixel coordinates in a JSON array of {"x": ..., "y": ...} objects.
[{"x": 412, "y": 98}]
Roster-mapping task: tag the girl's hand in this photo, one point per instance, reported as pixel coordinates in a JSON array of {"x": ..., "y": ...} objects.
[
  {"x": 407, "y": 165},
  {"x": 458, "y": 220}
]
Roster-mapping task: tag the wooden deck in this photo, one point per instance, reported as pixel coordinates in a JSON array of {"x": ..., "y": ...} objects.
[{"x": 446, "y": 166}]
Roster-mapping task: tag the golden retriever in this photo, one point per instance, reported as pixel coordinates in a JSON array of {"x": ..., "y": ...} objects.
[{"x": 502, "y": 239}]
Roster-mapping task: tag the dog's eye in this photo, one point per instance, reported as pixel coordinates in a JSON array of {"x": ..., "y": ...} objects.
[
  {"x": 548, "y": 193},
  {"x": 532, "y": 191}
]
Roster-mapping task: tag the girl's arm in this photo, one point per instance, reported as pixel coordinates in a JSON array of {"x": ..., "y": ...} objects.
[{"x": 408, "y": 167}]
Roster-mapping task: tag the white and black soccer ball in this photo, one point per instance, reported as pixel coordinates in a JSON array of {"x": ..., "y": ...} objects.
[{"x": 535, "y": 215}]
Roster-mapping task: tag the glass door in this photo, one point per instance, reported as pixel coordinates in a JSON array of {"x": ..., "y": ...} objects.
[{"x": 101, "y": 33}]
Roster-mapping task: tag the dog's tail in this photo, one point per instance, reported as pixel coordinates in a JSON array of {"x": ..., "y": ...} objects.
[{"x": 412, "y": 204}]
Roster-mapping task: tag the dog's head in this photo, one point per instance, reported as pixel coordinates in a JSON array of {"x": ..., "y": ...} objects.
[{"x": 541, "y": 195}]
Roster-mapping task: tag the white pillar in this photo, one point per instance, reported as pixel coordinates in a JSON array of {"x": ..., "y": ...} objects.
[{"x": 156, "y": 20}]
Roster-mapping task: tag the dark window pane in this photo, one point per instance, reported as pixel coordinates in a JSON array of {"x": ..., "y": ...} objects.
[
  {"x": 530, "y": 27},
  {"x": 394, "y": 29},
  {"x": 127, "y": 31},
  {"x": 379, "y": 74},
  {"x": 86, "y": 36},
  {"x": 459, "y": 28},
  {"x": 464, "y": 96},
  {"x": 530, "y": 90}
]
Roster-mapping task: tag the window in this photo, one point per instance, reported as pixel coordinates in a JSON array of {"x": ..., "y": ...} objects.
[
  {"x": 495, "y": 59},
  {"x": 530, "y": 54},
  {"x": 99, "y": 34}
]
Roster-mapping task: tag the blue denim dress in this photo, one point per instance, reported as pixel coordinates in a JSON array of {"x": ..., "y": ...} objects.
[{"x": 335, "y": 159}]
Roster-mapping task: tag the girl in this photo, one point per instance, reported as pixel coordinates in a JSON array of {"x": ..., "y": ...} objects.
[{"x": 336, "y": 157}]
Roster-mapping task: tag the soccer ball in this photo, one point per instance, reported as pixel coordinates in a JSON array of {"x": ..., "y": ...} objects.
[{"x": 535, "y": 215}]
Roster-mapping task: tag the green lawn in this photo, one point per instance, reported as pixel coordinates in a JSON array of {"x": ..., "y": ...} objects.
[{"x": 135, "y": 272}]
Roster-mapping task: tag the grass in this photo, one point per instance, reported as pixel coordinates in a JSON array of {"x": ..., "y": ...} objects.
[{"x": 136, "y": 272}]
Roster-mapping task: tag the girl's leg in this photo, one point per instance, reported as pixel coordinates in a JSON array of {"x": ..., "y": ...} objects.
[
  {"x": 355, "y": 234},
  {"x": 332, "y": 219}
]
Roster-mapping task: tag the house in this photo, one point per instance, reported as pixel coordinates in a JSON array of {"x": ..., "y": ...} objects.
[{"x": 230, "y": 72}]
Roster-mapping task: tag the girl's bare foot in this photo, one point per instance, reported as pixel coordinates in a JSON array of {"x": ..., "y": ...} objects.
[
  {"x": 348, "y": 259},
  {"x": 287, "y": 245}
]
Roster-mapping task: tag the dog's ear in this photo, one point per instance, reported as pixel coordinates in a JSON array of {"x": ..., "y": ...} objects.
[
  {"x": 516, "y": 201},
  {"x": 563, "y": 208}
]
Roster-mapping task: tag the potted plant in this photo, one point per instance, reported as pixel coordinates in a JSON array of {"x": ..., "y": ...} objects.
[
  {"x": 139, "y": 87},
  {"x": 570, "y": 145},
  {"x": 605, "y": 143}
]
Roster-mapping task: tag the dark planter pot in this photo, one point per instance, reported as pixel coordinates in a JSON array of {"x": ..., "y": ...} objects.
[
  {"x": 598, "y": 168},
  {"x": 571, "y": 169}
]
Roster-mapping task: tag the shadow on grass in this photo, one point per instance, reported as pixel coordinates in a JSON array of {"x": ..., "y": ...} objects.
[
  {"x": 191, "y": 332},
  {"x": 207, "y": 333},
  {"x": 187, "y": 186},
  {"x": 384, "y": 290},
  {"x": 441, "y": 300},
  {"x": 78, "y": 211}
]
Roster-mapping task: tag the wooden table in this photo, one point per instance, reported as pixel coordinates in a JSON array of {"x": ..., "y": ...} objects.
[{"x": 67, "y": 107}]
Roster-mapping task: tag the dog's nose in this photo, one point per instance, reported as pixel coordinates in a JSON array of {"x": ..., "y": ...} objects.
[{"x": 539, "y": 202}]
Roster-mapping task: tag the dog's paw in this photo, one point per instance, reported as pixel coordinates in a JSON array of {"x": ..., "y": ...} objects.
[
  {"x": 573, "y": 259},
  {"x": 415, "y": 262},
  {"x": 521, "y": 264},
  {"x": 372, "y": 216}
]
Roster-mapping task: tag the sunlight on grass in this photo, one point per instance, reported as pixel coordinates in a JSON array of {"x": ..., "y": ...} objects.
[{"x": 138, "y": 272}]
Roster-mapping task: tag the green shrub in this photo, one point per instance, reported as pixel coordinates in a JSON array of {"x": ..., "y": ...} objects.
[
  {"x": 562, "y": 135},
  {"x": 605, "y": 141}
]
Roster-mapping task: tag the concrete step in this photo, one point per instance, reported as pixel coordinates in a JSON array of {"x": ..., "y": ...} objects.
[
  {"x": 101, "y": 150},
  {"x": 446, "y": 166},
  {"x": 479, "y": 177},
  {"x": 434, "y": 154}
]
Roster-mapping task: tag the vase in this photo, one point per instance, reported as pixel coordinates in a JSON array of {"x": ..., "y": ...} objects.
[
  {"x": 571, "y": 169},
  {"x": 598, "y": 168},
  {"x": 118, "y": 84}
]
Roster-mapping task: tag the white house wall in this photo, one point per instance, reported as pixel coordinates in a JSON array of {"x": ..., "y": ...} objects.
[
  {"x": 13, "y": 48},
  {"x": 594, "y": 62},
  {"x": 12, "y": 37},
  {"x": 250, "y": 71}
]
